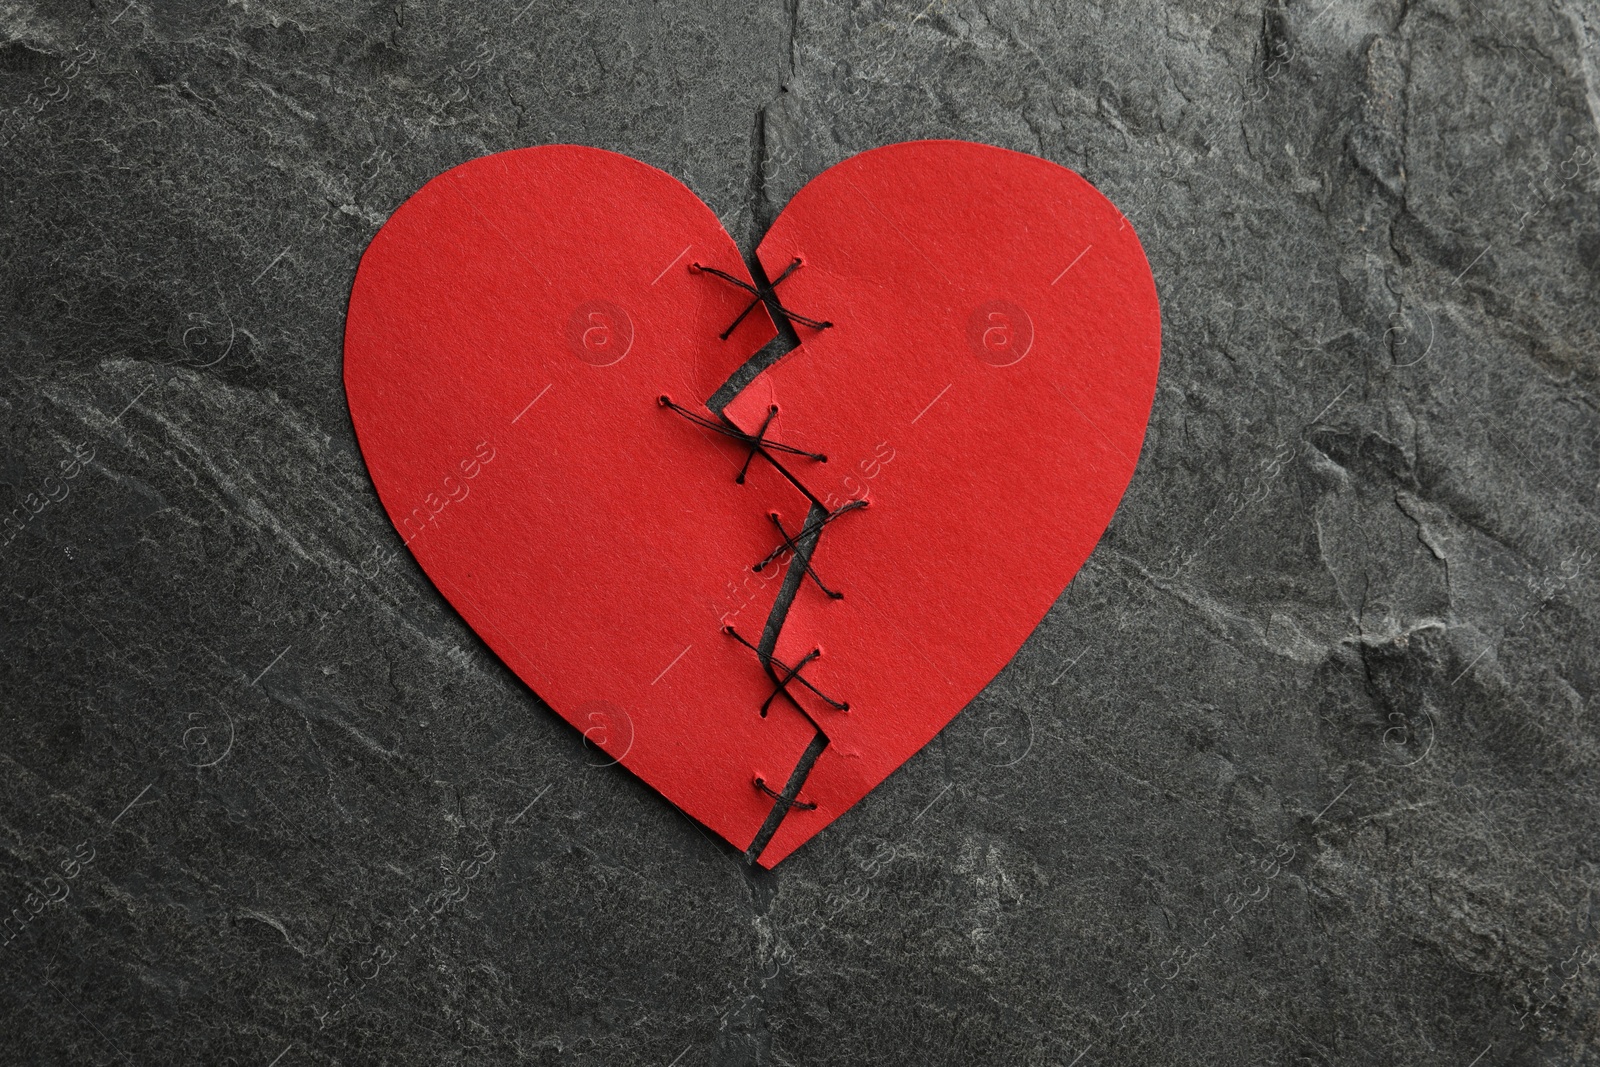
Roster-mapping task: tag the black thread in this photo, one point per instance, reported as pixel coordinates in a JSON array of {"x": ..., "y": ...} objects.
[
  {"x": 778, "y": 812},
  {"x": 791, "y": 674},
  {"x": 763, "y": 293},
  {"x": 803, "y": 805},
  {"x": 817, "y": 518},
  {"x": 757, "y": 441},
  {"x": 792, "y": 544},
  {"x": 755, "y": 446}
]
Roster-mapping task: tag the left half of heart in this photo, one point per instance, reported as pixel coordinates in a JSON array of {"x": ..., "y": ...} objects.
[{"x": 511, "y": 330}]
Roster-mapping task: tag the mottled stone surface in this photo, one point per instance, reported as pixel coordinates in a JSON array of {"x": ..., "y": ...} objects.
[{"x": 1301, "y": 769}]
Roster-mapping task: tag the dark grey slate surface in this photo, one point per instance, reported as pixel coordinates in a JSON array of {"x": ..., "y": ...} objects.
[{"x": 1301, "y": 769}]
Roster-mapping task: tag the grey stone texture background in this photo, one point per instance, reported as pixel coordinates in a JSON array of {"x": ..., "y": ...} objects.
[{"x": 1300, "y": 769}]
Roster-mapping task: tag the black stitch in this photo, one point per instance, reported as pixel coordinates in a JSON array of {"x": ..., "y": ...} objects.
[
  {"x": 791, "y": 674},
  {"x": 789, "y": 543},
  {"x": 803, "y": 805},
  {"x": 758, "y": 441},
  {"x": 763, "y": 292},
  {"x": 792, "y": 544}
]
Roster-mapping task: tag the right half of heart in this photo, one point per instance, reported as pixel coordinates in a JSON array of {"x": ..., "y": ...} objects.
[{"x": 984, "y": 384}]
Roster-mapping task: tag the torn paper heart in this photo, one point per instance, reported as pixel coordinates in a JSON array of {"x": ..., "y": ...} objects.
[{"x": 979, "y": 339}]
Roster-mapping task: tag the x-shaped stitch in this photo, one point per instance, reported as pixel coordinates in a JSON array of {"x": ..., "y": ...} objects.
[
  {"x": 763, "y": 292},
  {"x": 791, "y": 674},
  {"x": 758, "y": 441},
  {"x": 792, "y": 544}
]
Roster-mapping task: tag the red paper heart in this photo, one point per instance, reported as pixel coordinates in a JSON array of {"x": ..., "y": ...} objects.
[{"x": 985, "y": 385}]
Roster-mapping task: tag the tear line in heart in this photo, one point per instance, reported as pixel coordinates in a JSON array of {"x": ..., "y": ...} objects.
[{"x": 804, "y": 545}]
